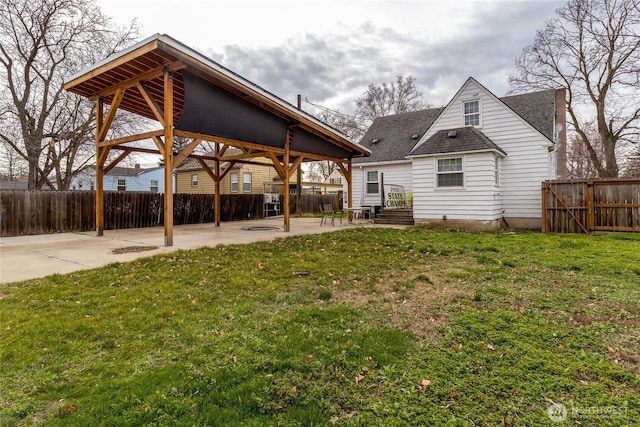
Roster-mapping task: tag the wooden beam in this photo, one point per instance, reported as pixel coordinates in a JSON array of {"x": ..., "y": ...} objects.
[
  {"x": 100, "y": 159},
  {"x": 131, "y": 138},
  {"x": 313, "y": 157},
  {"x": 151, "y": 102},
  {"x": 217, "y": 199},
  {"x": 247, "y": 155},
  {"x": 277, "y": 166},
  {"x": 102, "y": 132},
  {"x": 228, "y": 141},
  {"x": 114, "y": 163},
  {"x": 295, "y": 165},
  {"x": 146, "y": 76},
  {"x": 159, "y": 143},
  {"x": 285, "y": 180},
  {"x": 207, "y": 169},
  {"x": 227, "y": 169},
  {"x": 168, "y": 159},
  {"x": 112, "y": 64},
  {"x": 186, "y": 152}
]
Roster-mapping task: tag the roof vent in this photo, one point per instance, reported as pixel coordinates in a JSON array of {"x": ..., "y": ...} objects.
[
  {"x": 452, "y": 134},
  {"x": 375, "y": 141},
  {"x": 415, "y": 136}
]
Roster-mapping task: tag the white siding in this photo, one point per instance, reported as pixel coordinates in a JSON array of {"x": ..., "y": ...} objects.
[
  {"x": 526, "y": 165},
  {"x": 399, "y": 174},
  {"x": 142, "y": 182},
  {"x": 478, "y": 200}
]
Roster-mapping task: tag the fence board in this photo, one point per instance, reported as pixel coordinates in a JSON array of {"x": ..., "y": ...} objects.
[
  {"x": 591, "y": 205},
  {"x": 41, "y": 212}
]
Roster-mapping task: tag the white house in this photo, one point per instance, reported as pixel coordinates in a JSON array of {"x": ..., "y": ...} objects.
[
  {"x": 477, "y": 162},
  {"x": 122, "y": 179}
]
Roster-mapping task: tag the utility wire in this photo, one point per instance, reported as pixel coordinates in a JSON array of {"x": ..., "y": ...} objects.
[{"x": 328, "y": 109}]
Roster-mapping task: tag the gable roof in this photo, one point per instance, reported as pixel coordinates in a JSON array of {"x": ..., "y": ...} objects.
[
  {"x": 466, "y": 139},
  {"x": 394, "y": 132},
  {"x": 537, "y": 108},
  {"x": 394, "y": 135}
]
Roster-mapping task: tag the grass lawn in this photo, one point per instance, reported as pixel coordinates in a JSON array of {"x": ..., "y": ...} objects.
[{"x": 356, "y": 327}]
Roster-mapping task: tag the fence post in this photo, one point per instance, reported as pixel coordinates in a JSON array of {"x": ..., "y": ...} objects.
[
  {"x": 545, "y": 193},
  {"x": 591, "y": 217}
]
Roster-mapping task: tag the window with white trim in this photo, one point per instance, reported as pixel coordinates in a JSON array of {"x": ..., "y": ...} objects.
[
  {"x": 246, "y": 182},
  {"x": 471, "y": 113},
  {"x": 335, "y": 181},
  {"x": 154, "y": 186},
  {"x": 450, "y": 172},
  {"x": 234, "y": 182},
  {"x": 194, "y": 180},
  {"x": 122, "y": 185},
  {"x": 497, "y": 171},
  {"x": 373, "y": 186}
]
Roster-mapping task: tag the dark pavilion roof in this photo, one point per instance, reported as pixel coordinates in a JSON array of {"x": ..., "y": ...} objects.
[
  {"x": 461, "y": 140},
  {"x": 394, "y": 133},
  {"x": 208, "y": 99}
]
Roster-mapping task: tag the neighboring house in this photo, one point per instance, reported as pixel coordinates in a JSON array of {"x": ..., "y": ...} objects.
[
  {"x": 122, "y": 179},
  {"x": 84, "y": 179},
  {"x": 243, "y": 178},
  {"x": 479, "y": 161},
  {"x": 8, "y": 184}
]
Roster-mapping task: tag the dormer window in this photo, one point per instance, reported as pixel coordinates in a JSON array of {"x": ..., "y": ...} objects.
[{"x": 471, "y": 113}]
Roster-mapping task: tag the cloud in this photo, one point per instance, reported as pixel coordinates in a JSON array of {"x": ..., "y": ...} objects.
[{"x": 335, "y": 68}]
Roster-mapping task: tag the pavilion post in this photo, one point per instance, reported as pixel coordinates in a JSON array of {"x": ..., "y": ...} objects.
[
  {"x": 285, "y": 180},
  {"x": 99, "y": 169},
  {"x": 217, "y": 197},
  {"x": 168, "y": 158}
]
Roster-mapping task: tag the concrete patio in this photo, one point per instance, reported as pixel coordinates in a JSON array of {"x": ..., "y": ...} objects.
[{"x": 30, "y": 257}]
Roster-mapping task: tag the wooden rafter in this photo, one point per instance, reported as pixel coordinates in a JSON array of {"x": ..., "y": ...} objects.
[{"x": 146, "y": 76}]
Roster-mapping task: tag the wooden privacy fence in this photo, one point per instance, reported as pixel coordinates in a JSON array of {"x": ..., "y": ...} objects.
[
  {"x": 585, "y": 206},
  {"x": 43, "y": 212}
]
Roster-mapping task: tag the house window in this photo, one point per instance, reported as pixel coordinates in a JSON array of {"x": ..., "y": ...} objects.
[
  {"x": 497, "y": 171},
  {"x": 450, "y": 172},
  {"x": 194, "y": 180},
  {"x": 154, "y": 186},
  {"x": 471, "y": 111},
  {"x": 246, "y": 182},
  {"x": 122, "y": 185},
  {"x": 372, "y": 182},
  {"x": 336, "y": 181},
  {"x": 234, "y": 182}
]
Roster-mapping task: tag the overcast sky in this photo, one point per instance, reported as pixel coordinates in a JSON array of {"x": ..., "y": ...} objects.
[{"x": 330, "y": 51}]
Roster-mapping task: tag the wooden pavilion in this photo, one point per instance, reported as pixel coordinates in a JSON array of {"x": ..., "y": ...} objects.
[{"x": 193, "y": 97}]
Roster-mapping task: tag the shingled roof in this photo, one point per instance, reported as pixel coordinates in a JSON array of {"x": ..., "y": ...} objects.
[
  {"x": 393, "y": 134},
  {"x": 460, "y": 140},
  {"x": 537, "y": 108}
]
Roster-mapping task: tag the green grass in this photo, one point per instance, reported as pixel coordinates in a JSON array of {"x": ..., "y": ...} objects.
[{"x": 341, "y": 328}]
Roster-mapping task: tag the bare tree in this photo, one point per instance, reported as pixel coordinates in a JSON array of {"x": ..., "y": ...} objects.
[
  {"x": 41, "y": 42},
  {"x": 592, "y": 49},
  {"x": 401, "y": 96},
  {"x": 632, "y": 169},
  {"x": 579, "y": 162}
]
